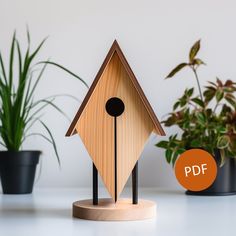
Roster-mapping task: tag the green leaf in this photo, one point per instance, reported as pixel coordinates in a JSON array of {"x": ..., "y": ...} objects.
[
  {"x": 209, "y": 94},
  {"x": 52, "y": 141},
  {"x": 176, "y": 69},
  {"x": 194, "y": 50},
  {"x": 168, "y": 155},
  {"x": 180, "y": 150},
  {"x": 171, "y": 120},
  {"x": 190, "y": 92},
  {"x": 3, "y": 68},
  {"x": 176, "y": 105},
  {"x": 18, "y": 110},
  {"x": 30, "y": 91},
  {"x": 195, "y": 143},
  {"x": 12, "y": 60},
  {"x": 65, "y": 69},
  {"x": 222, "y": 156},
  {"x": 198, "y": 102},
  {"x": 219, "y": 95},
  {"x": 37, "y": 50},
  {"x": 28, "y": 34},
  {"x": 183, "y": 101},
  {"x": 198, "y": 62},
  {"x": 229, "y": 89},
  {"x": 175, "y": 155},
  {"x": 223, "y": 142},
  {"x": 201, "y": 118},
  {"x": 231, "y": 101},
  {"x": 19, "y": 57},
  {"x": 51, "y": 104},
  {"x": 162, "y": 144},
  {"x": 221, "y": 129}
]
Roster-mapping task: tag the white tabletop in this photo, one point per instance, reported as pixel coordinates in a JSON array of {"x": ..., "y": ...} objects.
[{"x": 48, "y": 212}]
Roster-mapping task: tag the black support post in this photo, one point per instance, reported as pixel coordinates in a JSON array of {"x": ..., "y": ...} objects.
[
  {"x": 95, "y": 185},
  {"x": 135, "y": 184}
]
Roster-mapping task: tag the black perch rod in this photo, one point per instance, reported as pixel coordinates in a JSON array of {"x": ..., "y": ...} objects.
[
  {"x": 115, "y": 107},
  {"x": 95, "y": 185},
  {"x": 115, "y": 131},
  {"x": 135, "y": 184}
]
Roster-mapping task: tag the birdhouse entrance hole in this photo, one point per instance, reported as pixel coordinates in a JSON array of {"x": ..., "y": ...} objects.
[{"x": 115, "y": 106}]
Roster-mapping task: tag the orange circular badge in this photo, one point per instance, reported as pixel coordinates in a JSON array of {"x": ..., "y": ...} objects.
[{"x": 195, "y": 169}]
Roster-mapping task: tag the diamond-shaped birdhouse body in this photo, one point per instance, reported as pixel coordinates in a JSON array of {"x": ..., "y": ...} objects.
[{"x": 115, "y": 142}]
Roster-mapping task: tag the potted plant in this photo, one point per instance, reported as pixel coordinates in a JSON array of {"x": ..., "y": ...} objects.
[
  {"x": 207, "y": 120},
  {"x": 19, "y": 112}
]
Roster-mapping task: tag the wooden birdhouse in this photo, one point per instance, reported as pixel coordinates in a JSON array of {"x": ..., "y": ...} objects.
[{"x": 114, "y": 122}]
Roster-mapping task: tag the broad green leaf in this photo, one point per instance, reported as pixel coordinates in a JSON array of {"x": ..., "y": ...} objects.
[
  {"x": 231, "y": 101},
  {"x": 209, "y": 94},
  {"x": 229, "y": 89},
  {"x": 176, "y": 105},
  {"x": 201, "y": 118},
  {"x": 190, "y": 92},
  {"x": 219, "y": 95},
  {"x": 183, "y": 101},
  {"x": 198, "y": 61},
  {"x": 198, "y": 102},
  {"x": 180, "y": 150},
  {"x": 162, "y": 144},
  {"x": 168, "y": 155},
  {"x": 176, "y": 69},
  {"x": 194, "y": 50}
]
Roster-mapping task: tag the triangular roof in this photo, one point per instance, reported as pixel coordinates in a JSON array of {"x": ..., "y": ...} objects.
[{"x": 116, "y": 48}]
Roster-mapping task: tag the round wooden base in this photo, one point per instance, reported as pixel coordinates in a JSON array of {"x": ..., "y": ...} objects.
[{"x": 107, "y": 210}]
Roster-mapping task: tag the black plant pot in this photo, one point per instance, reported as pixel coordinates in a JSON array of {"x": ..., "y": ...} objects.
[
  {"x": 17, "y": 171},
  {"x": 225, "y": 182}
]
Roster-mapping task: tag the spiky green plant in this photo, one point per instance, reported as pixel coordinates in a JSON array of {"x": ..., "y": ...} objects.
[{"x": 19, "y": 110}]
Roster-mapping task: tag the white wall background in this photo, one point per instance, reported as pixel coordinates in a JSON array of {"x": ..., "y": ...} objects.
[{"x": 154, "y": 35}]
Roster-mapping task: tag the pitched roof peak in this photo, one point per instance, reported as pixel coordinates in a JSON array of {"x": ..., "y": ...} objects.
[{"x": 116, "y": 48}]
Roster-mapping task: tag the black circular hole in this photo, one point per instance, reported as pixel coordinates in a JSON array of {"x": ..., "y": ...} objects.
[{"x": 115, "y": 106}]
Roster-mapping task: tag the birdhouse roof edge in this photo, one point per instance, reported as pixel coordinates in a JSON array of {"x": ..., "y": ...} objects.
[{"x": 116, "y": 48}]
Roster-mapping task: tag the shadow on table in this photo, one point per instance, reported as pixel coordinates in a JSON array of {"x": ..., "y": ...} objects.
[
  {"x": 34, "y": 212},
  {"x": 26, "y": 208},
  {"x": 172, "y": 192}
]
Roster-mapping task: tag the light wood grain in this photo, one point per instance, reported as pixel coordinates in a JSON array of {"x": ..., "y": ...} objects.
[
  {"x": 107, "y": 210},
  {"x": 96, "y": 127},
  {"x": 134, "y": 127}
]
